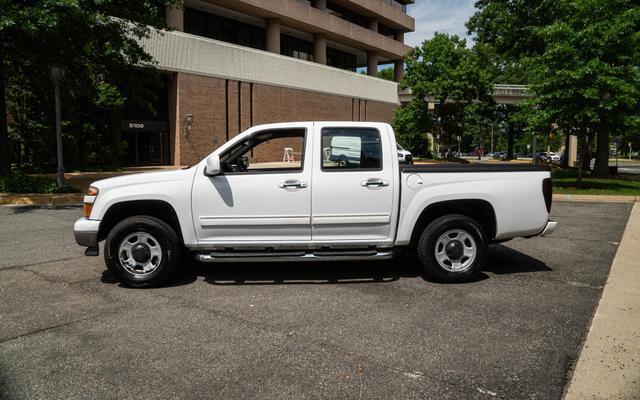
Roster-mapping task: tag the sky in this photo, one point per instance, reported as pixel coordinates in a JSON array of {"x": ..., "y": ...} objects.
[{"x": 446, "y": 16}]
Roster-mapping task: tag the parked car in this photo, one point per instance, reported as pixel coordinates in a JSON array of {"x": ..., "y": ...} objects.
[
  {"x": 547, "y": 156},
  {"x": 404, "y": 156},
  {"x": 502, "y": 156},
  {"x": 246, "y": 202}
]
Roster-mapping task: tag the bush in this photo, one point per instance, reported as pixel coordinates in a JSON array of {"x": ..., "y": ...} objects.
[{"x": 17, "y": 182}]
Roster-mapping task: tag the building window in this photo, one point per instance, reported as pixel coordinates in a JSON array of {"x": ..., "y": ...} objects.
[
  {"x": 297, "y": 48},
  {"x": 213, "y": 26},
  {"x": 386, "y": 31},
  {"x": 347, "y": 14},
  {"x": 341, "y": 59}
]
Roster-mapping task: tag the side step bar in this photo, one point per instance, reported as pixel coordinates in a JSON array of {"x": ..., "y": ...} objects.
[{"x": 284, "y": 256}]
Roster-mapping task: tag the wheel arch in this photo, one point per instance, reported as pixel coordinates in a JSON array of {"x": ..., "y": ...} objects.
[
  {"x": 477, "y": 209},
  {"x": 154, "y": 208}
]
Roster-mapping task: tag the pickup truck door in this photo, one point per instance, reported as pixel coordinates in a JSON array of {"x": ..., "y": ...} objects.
[
  {"x": 263, "y": 193},
  {"x": 354, "y": 183}
]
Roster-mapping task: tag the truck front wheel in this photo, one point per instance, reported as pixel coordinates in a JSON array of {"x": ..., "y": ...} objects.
[
  {"x": 453, "y": 248},
  {"x": 142, "y": 251}
]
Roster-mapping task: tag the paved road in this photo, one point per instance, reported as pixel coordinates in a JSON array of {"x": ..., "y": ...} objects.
[{"x": 350, "y": 330}]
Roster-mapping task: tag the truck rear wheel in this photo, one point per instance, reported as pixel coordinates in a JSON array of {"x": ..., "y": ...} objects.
[
  {"x": 453, "y": 248},
  {"x": 142, "y": 251}
]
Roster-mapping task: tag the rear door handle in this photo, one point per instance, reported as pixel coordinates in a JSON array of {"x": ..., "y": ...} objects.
[
  {"x": 374, "y": 183},
  {"x": 292, "y": 185}
]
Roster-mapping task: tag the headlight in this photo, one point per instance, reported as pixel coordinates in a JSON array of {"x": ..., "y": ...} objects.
[{"x": 89, "y": 198}]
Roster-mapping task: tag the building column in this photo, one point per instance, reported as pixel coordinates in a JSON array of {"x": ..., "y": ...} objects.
[
  {"x": 174, "y": 118},
  {"x": 372, "y": 63},
  {"x": 572, "y": 151},
  {"x": 399, "y": 36},
  {"x": 398, "y": 70},
  {"x": 320, "y": 48},
  {"x": 319, "y": 4},
  {"x": 174, "y": 17},
  {"x": 373, "y": 24},
  {"x": 273, "y": 35}
]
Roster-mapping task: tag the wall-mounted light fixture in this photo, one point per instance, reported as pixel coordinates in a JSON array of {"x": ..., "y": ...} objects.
[{"x": 189, "y": 121}]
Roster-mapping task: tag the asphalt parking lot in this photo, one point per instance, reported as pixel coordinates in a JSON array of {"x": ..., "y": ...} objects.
[{"x": 292, "y": 331}]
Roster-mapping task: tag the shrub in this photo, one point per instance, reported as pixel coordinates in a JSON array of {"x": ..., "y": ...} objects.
[{"x": 17, "y": 182}]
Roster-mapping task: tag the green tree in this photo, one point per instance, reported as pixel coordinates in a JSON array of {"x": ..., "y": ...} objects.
[
  {"x": 580, "y": 60},
  {"x": 444, "y": 69},
  {"x": 386, "y": 73},
  {"x": 411, "y": 124},
  {"x": 588, "y": 75},
  {"x": 96, "y": 41}
]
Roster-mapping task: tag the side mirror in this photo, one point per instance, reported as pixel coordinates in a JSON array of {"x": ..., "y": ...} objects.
[{"x": 213, "y": 165}]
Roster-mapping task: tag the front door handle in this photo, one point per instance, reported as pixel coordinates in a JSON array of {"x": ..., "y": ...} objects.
[
  {"x": 374, "y": 183},
  {"x": 292, "y": 185}
]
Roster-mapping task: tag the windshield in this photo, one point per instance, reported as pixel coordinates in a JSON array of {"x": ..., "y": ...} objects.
[{"x": 399, "y": 147}]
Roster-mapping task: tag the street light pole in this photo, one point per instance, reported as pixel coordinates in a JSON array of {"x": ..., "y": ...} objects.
[
  {"x": 57, "y": 75},
  {"x": 491, "y": 125}
]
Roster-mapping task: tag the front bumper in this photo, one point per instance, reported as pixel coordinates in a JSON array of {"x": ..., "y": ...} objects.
[
  {"x": 548, "y": 230},
  {"x": 86, "y": 232}
]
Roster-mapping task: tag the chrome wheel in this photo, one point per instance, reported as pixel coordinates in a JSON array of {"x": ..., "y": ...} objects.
[
  {"x": 456, "y": 250},
  {"x": 140, "y": 253}
]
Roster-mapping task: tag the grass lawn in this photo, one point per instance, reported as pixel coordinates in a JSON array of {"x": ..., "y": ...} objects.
[{"x": 564, "y": 181}]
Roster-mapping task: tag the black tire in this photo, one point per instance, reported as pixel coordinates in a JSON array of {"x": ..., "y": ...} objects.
[
  {"x": 169, "y": 248},
  {"x": 428, "y": 245}
]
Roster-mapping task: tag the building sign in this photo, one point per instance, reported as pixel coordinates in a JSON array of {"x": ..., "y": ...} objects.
[{"x": 144, "y": 126}]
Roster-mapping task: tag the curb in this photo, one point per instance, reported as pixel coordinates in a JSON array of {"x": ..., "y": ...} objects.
[
  {"x": 594, "y": 198},
  {"x": 40, "y": 199}
]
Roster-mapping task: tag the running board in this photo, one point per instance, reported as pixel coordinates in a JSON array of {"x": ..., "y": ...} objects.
[{"x": 284, "y": 256}]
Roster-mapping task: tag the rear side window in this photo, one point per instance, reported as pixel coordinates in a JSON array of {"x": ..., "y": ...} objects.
[{"x": 349, "y": 149}]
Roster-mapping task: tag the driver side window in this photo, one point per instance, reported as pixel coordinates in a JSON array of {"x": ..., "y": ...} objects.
[{"x": 280, "y": 150}]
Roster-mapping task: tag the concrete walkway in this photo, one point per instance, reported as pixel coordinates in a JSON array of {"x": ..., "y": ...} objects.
[{"x": 609, "y": 365}]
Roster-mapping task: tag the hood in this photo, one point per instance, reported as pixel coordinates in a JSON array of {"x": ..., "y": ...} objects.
[{"x": 144, "y": 177}]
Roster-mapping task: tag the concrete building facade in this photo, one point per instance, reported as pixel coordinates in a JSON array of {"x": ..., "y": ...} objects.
[{"x": 232, "y": 64}]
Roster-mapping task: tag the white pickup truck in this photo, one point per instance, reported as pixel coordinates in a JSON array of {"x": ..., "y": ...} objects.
[{"x": 312, "y": 191}]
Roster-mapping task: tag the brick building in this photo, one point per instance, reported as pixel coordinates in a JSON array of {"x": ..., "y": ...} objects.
[{"x": 232, "y": 64}]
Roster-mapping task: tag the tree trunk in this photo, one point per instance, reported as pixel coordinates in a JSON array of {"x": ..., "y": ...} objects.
[
  {"x": 441, "y": 139},
  {"x": 601, "y": 169},
  {"x": 583, "y": 150},
  {"x": 511, "y": 132},
  {"x": 4, "y": 133}
]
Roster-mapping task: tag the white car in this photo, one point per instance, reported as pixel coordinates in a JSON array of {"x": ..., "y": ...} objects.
[
  {"x": 554, "y": 158},
  {"x": 246, "y": 201},
  {"x": 404, "y": 156},
  {"x": 550, "y": 157}
]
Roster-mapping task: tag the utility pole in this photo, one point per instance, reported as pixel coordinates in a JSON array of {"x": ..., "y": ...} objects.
[
  {"x": 4, "y": 135},
  {"x": 57, "y": 76}
]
